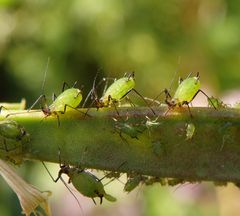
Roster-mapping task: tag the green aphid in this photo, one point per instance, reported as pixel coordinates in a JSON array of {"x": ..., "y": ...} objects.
[
  {"x": 116, "y": 92},
  {"x": 216, "y": 102},
  {"x": 237, "y": 105},
  {"x": 133, "y": 182},
  {"x": 68, "y": 99},
  {"x": 12, "y": 130},
  {"x": 131, "y": 129},
  {"x": 190, "y": 130},
  {"x": 13, "y": 137},
  {"x": 85, "y": 182},
  {"x": 185, "y": 93}
]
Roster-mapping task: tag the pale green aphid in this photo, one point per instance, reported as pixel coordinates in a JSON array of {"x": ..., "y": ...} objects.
[
  {"x": 190, "y": 130},
  {"x": 85, "y": 182},
  {"x": 131, "y": 129},
  {"x": 88, "y": 185},
  {"x": 216, "y": 102},
  {"x": 68, "y": 99},
  {"x": 13, "y": 137},
  {"x": 117, "y": 91},
  {"x": 185, "y": 93},
  {"x": 11, "y": 129},
  {"x": 133, "y": 182}
]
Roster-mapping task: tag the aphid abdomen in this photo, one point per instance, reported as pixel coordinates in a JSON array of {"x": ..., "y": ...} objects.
[
  {"x": 87, "y": 184},
  {"x": 118, "y": 90},
  {"x": 187, "y": 90},
  {"x": 71, "y": 97}
]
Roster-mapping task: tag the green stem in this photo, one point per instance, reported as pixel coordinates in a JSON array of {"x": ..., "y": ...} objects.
[{"x": 161, "y": 150}]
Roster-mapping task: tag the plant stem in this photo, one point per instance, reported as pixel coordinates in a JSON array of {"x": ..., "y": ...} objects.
[{"x": 159, "y": 149}]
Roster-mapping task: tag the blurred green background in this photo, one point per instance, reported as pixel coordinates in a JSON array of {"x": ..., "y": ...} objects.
[{"x": 149, "y": 37}]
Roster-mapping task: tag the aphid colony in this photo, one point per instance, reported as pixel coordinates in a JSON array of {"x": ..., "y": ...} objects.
[{"x": 70, "y": 99}]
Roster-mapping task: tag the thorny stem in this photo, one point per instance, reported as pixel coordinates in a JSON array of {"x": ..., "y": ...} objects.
[{"x": 160, "y": 149}]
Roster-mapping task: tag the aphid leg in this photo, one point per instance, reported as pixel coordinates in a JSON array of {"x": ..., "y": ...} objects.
[
  {"x": 105, "y": 176},
  {"x": 168, "y": 101},
  {"x": 65, "y": 108},
  {"x": 114, "y": 104},
  {"x": 75, "y": 84},
  {"x": 167, "y": 94},
  {"x": 41, "y": 97},
  {"x": 94, "y": 201},
  {"x": 169, "y": 108},
  {"x": 101, "y": 198},
  {"x": 58, "y": 120},
  {"x": 92, "y": 93},
  {"x": 129, "y": 101},
  {"x": 5, "y": 146},
  {"x": 64, "y": 85},
  {"x": 208, "y": 98},
  {"x": 60, "y": 177},
  {"x": 180, "y": 80},
  {"x": 54, "y": 96},
  {"x": 1, "y": 107},
  {"x": 144, "y": 101},
  {"x": 152, "y": 101},
  {"x": 190, "y": 113},
  {"x": 205, "y": 95}
]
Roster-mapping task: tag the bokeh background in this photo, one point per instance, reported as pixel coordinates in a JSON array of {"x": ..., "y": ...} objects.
[{"x": 153, "y": 38}]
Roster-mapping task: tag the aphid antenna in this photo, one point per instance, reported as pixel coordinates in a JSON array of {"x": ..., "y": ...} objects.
[
  {"x": 62, "y": 180},
  {"x": 42, "y": 96},
  {"x": 115, "y": 178},
  {"x": 19, "y": 113},
  {"x": 190, "y": 74},
  {"x": 179, "y": 186},
  {"x": 130, "y": 75},
  {"x": 45, "y": 76},
  {"x": 167, "y": 91},
  {"x": 65, "y": 84},
  {"x": 92, "y": 91},
  {"x": 175, "y": 74}
]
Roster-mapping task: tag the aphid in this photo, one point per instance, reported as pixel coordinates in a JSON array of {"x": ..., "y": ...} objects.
[
  {"x": 133, "y": 182},
  {"x": 13, "y": 137},
  {"x": 185, "y": 93},
  {"x": 151, "y": 124},
  {"x": 118, "y": 90},
  {"x": 190, "y": 130},
  {"x": 68, "y": 99},
  {"x": 132, "y": 129},
  {"x": 85, "y": 182},
  {"x": 216, "y": 102}
]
